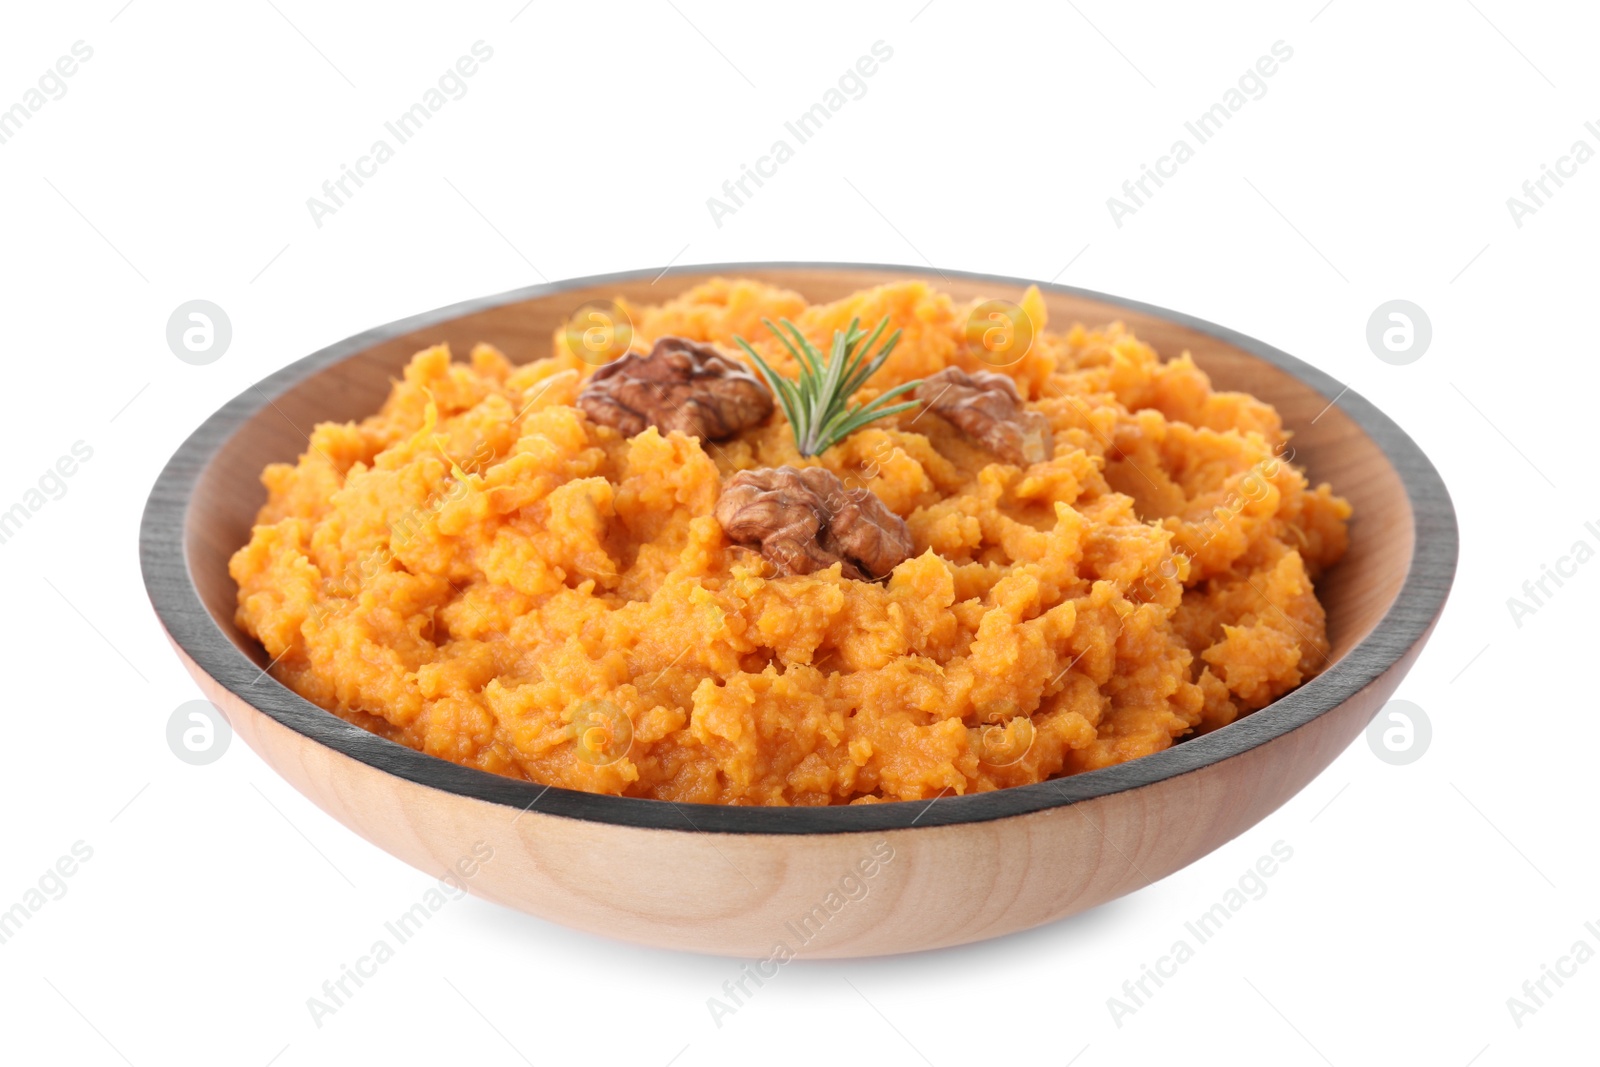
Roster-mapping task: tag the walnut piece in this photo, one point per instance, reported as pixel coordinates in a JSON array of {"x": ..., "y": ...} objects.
[
  {"x": 805, "y": 520},
  {"x": 987, "y": 408},
  {"x": 681, "y": 385}
]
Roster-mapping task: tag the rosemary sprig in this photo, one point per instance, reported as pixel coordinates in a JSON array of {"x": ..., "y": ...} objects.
[{"x": 816, "y": 401}]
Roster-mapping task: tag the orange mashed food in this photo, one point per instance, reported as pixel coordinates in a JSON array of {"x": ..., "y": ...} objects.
[{"x": 480, "y": 572}]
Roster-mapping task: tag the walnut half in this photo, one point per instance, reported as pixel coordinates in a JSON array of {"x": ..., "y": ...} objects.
[
  {"x": 987, "y": 408},
  {"x": 681, "y": 385},
  {"x": 805, "y": 520}
]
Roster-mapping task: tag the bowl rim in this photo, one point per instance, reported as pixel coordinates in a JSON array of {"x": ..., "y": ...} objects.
[{"x": 176, "y": 600}]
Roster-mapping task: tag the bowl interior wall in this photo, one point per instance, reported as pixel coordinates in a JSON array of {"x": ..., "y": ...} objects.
[{"x": 1326, "y": 441}]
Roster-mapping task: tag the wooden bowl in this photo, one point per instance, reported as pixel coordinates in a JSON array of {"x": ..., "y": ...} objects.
[{"x": 743, "y": 880}]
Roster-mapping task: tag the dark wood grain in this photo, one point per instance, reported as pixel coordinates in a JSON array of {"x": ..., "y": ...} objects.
[{"x": 1045, "y": 850}]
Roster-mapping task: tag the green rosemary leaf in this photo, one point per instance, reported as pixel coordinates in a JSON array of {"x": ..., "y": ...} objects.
[
  {"x": 800, "y": 348},
  {"x": 782, "y": 388},
  {"x": 816, "y": 401},
  {"x": 852, "y": 384},
  {"x": 833, "y": 376},
  {"x": 861, "y": 414},
  {"x": 859, "y": 420},
  {"x": 861, "y": 353}
]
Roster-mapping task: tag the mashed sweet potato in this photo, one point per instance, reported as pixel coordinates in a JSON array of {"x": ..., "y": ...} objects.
[{"x": 480, "y": 572}]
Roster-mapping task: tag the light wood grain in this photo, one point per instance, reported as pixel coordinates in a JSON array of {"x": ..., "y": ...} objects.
[{"x": 733, "y": 892}]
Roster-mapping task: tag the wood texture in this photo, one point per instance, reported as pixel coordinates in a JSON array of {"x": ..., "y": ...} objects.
[{"x": 739, "y": 880}]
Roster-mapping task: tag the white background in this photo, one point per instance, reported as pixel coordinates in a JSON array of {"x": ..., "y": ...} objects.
[{"x": 1377, "y": 166}]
